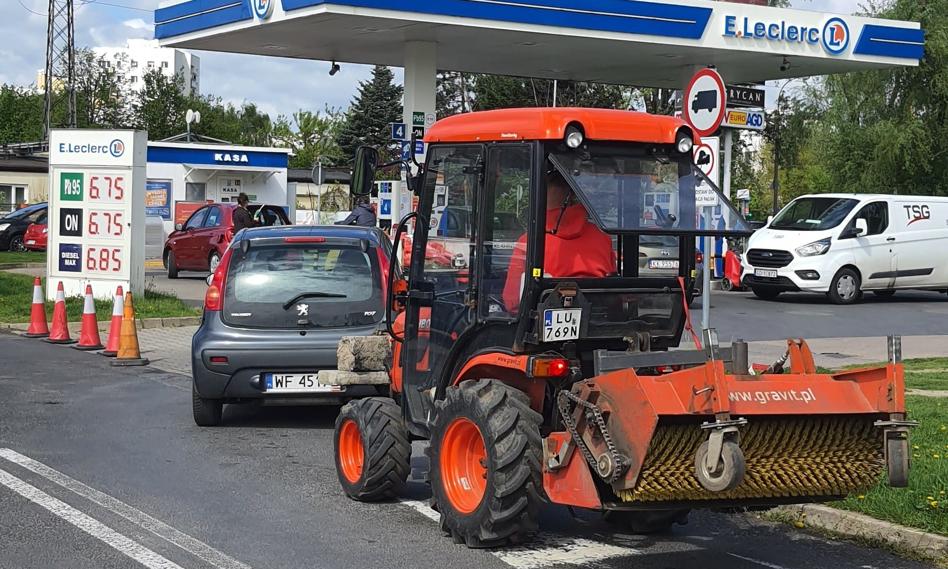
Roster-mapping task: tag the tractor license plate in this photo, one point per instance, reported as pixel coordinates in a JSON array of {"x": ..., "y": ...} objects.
[
  {"x": 662, "y": 264},
  {"x": 766, "y": 273},
  {"x": 297, "y": 383},
  {"x": 561, "y": 324}
]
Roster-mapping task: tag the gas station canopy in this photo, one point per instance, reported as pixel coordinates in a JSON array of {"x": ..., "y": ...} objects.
[{"x": 657, "y": 43}]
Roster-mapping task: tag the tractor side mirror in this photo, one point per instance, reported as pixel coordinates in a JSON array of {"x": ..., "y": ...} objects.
[{"x": 363, "y": 172}]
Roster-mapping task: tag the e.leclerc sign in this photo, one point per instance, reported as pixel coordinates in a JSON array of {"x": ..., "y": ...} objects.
[
  {"x": 833, "y": 35},
  {"x": 96, "y": 211}
]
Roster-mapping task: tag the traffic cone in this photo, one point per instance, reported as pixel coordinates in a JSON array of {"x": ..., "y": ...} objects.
[
  {"x": 38, "y": 327},
  {"x": 59, "y": 334},
  {"x": 115, "y": 329},
  {"x": 128, "y": 352},
  {"x": 89, "y": 334}
]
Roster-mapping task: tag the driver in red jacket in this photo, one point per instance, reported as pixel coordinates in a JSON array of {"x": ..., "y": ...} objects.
[{"x": 575, "y": 247}]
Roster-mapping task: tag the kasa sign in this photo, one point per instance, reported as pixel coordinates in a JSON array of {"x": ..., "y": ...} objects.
[{"x": 833, "y": 35}]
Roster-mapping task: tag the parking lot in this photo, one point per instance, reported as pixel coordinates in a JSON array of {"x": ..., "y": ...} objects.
[{"x": 115, "y": 453}]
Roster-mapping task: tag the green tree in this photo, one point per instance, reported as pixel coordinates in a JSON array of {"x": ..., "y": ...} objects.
[
  {"x": 500, "y": 91},
  {"x": 159, "y": 107},
  {"x": 377, "y": 105},
  {"x": 312, "y": 136},
  {"x": 21, "y": 115},
  {"x": 101, "y": 101}
]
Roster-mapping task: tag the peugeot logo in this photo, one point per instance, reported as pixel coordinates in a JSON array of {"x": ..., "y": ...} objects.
[{"x": 302, "y": 310}]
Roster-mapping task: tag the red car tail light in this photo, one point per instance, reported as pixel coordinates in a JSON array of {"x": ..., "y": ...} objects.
[
  {"x": 214, "y": 297},
  {"x": 219, "y": 359}
]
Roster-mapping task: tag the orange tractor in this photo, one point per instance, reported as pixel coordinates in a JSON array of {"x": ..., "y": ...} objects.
[{"x": 543, "y": 369}]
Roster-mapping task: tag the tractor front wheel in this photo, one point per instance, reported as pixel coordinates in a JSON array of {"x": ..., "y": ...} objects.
[
  {"x": 372, "y": 449},
  {"x": 485, "y": 464}
]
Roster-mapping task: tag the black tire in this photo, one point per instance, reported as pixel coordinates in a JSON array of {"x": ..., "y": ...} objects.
[
  {"x": 845, "y": 287},
  {"x": 510, "y": 432},
  {"x": 16, "y": 244},
  {"x": 888, "y": 293},
  {"x": 386, "y": 449},
  {"x": 207, "y": 412},
  {"x": 171, "y": 265},
  {"x": 765, "y": 292},
  {"x": 647, "y": 522}
]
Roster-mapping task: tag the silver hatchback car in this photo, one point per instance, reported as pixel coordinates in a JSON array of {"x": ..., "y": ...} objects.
[{"x": 275, "y": 311}]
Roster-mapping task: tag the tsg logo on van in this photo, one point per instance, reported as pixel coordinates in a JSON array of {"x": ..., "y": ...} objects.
[
  {"x": 917, "y": 213},
  {"x": 231, "y": 157}
]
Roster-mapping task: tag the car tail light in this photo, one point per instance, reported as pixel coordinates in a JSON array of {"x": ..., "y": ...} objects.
[
  {"x": 219, "y": 359},
  {"x": 304, "y": 239},
  {"x": 549, "y": 367},
  {"x": 214, "y": 297}
]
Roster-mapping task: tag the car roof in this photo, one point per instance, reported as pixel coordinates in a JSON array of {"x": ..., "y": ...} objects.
[
  {"x": 372, "y": 234},
  {"x": 26, "y": 210}
]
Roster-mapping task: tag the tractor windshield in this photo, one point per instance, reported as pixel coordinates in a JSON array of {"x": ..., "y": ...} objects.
[{"x": 637, "y": 188}]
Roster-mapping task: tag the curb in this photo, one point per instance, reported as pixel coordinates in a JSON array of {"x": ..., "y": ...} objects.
[
  {"x": 851, "y": 524},
  {"x": 8, "y": 266},
  {"x": 141, "y": 323}
]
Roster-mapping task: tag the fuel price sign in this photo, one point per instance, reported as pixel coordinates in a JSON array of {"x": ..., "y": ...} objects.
[{"x": 96, "y": 211}]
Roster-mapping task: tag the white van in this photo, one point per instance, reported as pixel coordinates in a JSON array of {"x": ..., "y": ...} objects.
[{"x": 844, "y": 244}]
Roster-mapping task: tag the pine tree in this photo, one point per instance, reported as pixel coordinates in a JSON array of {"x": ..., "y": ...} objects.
[{"x": 378, "y": 104}]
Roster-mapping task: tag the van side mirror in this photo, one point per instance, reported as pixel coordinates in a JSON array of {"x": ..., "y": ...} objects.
[
  {"x": 363, "y": 172},
  {"x": 862, "y": 228},
  {"x": 769, "y": 219}
]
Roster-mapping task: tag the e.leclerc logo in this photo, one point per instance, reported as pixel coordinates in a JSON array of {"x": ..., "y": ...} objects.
[
  {"x": 833, "y": 36},
  {"x": 117, "y": 148},
  {"x": 262, "y": 8}
]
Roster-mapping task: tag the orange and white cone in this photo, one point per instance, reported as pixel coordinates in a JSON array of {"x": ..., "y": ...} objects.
[
  {"x": 115, "y": 329},
  {"x": 59, "y": 333},
  {"x": 128, "y": 353},
  {"x": 38, "y": 327},
  {"x": 89, "y": 334}
]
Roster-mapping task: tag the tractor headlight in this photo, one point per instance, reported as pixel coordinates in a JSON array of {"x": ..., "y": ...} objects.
[
  {"x": 816, "y": 248},
  {"x": 685, "y": 144},
  {"x": 574, "y": 137}
]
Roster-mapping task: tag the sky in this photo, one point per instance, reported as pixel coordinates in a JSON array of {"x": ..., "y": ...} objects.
[{"x": 276, "y": 85}]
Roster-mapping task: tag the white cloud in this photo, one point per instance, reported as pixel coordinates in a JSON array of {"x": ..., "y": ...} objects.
[{"x": 140, "y": 25}]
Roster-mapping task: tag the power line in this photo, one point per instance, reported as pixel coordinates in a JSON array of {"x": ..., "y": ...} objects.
[
  {"x": 101, "y": 3},
  {"x": 30, "y": 10}
]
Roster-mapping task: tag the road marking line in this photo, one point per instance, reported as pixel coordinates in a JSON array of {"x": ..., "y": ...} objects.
[
  {"x": 545, "y": 549},
  {"x": 182, "y": 540},
  {"x": 91, "y": 526},
  {"x": 758, "y": 561}
]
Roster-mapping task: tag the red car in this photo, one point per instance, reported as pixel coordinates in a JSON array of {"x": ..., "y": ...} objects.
[
  {"x": 34, "y": 239},
  {"x": 199, "y": 243}
]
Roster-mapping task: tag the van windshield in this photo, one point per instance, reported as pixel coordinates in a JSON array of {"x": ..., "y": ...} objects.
[{"x": 813, "y": 214}]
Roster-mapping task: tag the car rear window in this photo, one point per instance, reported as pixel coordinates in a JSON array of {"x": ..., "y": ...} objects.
[{"x": 320, "y": 285}]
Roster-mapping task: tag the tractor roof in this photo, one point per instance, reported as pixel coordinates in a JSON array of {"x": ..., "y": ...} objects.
[{"x": 551, "y": 123}]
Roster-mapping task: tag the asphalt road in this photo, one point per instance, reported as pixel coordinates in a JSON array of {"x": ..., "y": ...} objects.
[
  {"x": 742, "y": 315},
  {"x": 104, "y": 468}
]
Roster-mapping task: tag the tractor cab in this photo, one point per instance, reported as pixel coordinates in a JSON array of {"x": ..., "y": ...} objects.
[{"x": 549, "y": 231}]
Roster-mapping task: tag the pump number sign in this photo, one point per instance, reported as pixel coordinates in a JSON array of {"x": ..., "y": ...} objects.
[{"x": 96, "y": 211}]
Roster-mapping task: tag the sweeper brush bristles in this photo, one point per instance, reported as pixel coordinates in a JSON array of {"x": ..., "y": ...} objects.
[{"x": 786, "y": 457}]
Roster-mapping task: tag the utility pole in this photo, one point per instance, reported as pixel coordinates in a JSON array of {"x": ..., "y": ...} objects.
[{"x": 60, "y": 77}]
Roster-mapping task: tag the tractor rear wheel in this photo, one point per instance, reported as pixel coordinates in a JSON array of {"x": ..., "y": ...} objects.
[
  {"x": 372, "y": 449},
  {"x": 485, "y": 463},
  {"x": 647, "y": 522}
]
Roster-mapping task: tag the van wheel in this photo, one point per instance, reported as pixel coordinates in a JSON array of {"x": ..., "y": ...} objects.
[
  {"x": 765, "y": 293},
  {"x": 845, "y": 288},
  {"x": 171, "y": 265},
  {"x": 884, "y": 293}
]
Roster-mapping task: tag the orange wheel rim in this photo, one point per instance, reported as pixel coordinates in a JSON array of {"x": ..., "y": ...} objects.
[
  {"x": 351, "y": 451},
  {"x": 463, "y": 465}
]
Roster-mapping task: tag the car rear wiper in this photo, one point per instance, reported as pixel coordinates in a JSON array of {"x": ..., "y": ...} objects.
[{"x": 302, "y": 295}]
